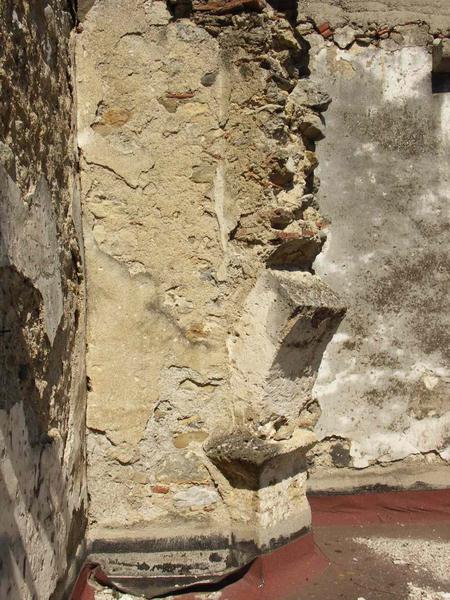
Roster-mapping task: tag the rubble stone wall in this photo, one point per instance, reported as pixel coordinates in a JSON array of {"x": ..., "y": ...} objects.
[
  {"x": 42, "y": 376},
  {"x": 206, "y": 324},
  {"x": 219, "y": 271},
  {"x": 265, "y": 220}
]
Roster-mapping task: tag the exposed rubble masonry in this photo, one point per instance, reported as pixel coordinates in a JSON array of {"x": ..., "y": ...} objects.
[
  {"x": 247, "y": 327},
  {"x": 207, "y": 324}
]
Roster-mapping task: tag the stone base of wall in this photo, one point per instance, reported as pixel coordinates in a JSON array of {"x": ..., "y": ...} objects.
[
  {"x": 156, "y": 562},
  {"x": 407, "y": 475}
]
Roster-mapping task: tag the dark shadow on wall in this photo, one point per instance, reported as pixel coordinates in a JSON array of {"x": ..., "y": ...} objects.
[
  {"x": 440, "y": 83},
  {"x": 302, "y": 351},
  {"x": 82, "y": 7},
  {"x": 30, "y": 458}
]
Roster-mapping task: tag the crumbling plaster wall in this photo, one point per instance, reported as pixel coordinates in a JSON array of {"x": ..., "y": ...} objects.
[
  {"x": 206, "y": 325},
  {"x": 42, "y": 376},
  {"x": 383, "y": 386}
]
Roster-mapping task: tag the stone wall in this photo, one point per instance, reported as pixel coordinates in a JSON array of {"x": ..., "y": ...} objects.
[
  {"x": 383, "y": 386},
  {"x": 206, "y": 324},
  {"x": 42, "y": 378},
  {"x": 245, "y": 325},
  {"x": 219, "y": 271}
]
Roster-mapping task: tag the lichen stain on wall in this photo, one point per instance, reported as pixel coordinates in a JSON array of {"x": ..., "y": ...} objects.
[{"x": 383, "y": 385}]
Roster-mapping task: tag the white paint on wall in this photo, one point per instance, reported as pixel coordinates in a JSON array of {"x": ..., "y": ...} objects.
[{"x": 383, "y": 380}]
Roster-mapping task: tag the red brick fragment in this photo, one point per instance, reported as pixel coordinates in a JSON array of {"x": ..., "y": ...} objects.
[
  {"x": 160, "y": 489},
  {"x": 229, "y": 6},
  {"x": 324, "y": 27},
  {"x": 289, "y": 235},
  {"x": 180, "y": 95},
  {"x": 326, "y": 34}
]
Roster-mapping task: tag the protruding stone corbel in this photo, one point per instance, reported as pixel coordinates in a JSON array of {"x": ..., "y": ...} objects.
[
  {"x": 246, "y": 460},
  {"x": 288, "y": 320}
]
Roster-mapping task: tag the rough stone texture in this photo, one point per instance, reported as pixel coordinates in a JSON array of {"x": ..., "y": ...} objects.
[
  {"x": 42, "y": 378},
  {"x": 211, "y": 275},
  {"x": 383, "y": 386},
  {"x": 377, "y": 14},
  {"x": 205, "y": 321}
]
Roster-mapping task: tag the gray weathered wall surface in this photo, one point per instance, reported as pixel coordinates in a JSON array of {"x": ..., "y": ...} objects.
[
  {"x": 42, "y": 379},
  {"x": 383, "y": 385}
]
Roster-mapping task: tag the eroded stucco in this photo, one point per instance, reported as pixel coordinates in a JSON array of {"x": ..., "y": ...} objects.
[
  {"x": 383, "y": 384},
  {"x": 206, "y": 324},
  {"x": 220, "y": 366}
]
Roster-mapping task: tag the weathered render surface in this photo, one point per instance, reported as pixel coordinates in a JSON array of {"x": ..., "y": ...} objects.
[
  {"x": 220, "y": 367},
  {"x": 42, "y": 378},
  {"x": 383, "y": 385},
  {"x": 206, "y": 324}
]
